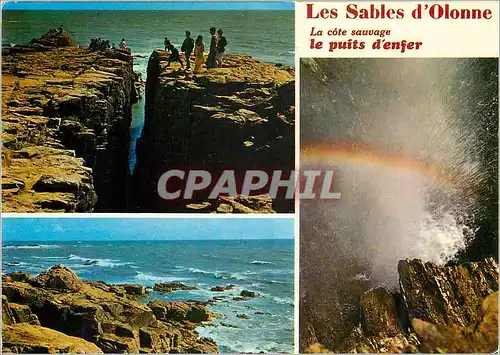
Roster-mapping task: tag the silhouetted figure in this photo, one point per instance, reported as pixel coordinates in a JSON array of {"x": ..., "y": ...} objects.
[
  {"x": 167, "y": 43},
  {"x": 60, "y": 29},
  {"x": 123, "y": 44},
  {"x": 221, "y": 47},
  {"x": 174, "y": 56},
  {"x": 187, "y": 47},
  {"x": 213, "y": 49},
  {"x": 199, "y": 49}
]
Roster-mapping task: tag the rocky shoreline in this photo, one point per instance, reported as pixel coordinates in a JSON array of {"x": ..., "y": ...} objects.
[
  {"x": 444, "y": 309},
  {"x": 66, "y": 128},
  {"x": 56, "y": 311},
  {"x": 66, "y": 118},
  {"x": 237, "y": 117}
]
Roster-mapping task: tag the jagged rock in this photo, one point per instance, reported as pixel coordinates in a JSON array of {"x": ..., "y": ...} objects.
[
  {"x": 179, "y": 311},
  {"x": 242, "y": 316},
  {"x": 59, "y": 277},
  {"x": 477, "y": 338},
  {"x": 447, "y": 295},
  {"x": 172, "y": 286},
  {"x": 46, "y": 87},
  {"x": 246, "y": 293},
  {"x": 222, "y": 288},
  {"x": 378, "y": 313},
  {"x": 450, "y": 296},
  {"x": 107, "y": 315},
  {"x": 134, "y": 290},
  {"x": 28, "y": 338}
]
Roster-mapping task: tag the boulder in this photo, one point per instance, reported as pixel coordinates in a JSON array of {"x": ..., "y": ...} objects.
[
  {"x": 172, "y": 286},
  {"x": 60, "y": 278},
  {"x": 378, "y": 313},
  {"x": 28, "y": 338},
  {"x": 222, "y": 288},
  {"x": 179, "y": 311},
  {"x": 106, "y": 315},
  {"x": 477, "y": 338},
  {"x": 246, "y": 293},
  {"x": 55, "y": 38}
]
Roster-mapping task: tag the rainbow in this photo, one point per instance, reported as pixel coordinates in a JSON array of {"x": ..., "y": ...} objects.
[{"x": 342, "y": 152}]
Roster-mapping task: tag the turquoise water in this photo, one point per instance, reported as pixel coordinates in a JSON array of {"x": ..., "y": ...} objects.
[
  {"x": 264, "y": 266},
  {"x": 265, "y": 35}
]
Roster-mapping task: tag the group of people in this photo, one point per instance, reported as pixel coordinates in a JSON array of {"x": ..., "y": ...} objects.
[
  {"x": 98, "y": 44},
  {"x": 216, "y": 52}
]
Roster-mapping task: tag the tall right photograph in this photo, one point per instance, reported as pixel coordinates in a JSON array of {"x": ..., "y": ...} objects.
[{"x": 405, "y": 260}]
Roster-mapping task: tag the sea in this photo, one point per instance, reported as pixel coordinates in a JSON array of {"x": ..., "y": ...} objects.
[
  {"x": 263, "y": 266},
  {"x": 265, "y": 35}
]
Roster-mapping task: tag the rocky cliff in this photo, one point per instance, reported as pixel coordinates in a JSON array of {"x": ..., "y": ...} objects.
[
  {"x": 238, "y": 117},
  {"x": 450, "y": 309},
  {"x": 66, "y": 114},
  {"x": 58, "y": 312}
]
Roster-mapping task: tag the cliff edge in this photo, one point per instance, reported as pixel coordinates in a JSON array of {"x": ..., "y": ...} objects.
[
  {"x": 66, "y": 113},
  {"x": 237, "y": 117}
]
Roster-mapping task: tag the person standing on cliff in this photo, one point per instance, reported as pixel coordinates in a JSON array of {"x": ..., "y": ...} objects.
[
  {"x": 221, "y": 47},
  {"x": 187, "y": 48},
  {"x": 213, "y": 49},
  {"x": 174, "y": 56},
  {"x": 123, "y": 44},
  {"x": 199, "y": 50},
  {"x": 167, "y": 43}
]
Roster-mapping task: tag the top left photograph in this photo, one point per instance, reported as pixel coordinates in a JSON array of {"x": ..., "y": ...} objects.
[{"x": 148, "y": 107}]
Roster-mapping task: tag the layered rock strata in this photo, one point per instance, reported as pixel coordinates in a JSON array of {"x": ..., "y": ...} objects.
[
  {"x": 66, "y": 113},
  {"x": 58, "y": 312},
  {"x": 239, "y": 117}
]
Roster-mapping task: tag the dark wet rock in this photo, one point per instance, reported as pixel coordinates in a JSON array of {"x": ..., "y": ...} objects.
[
  {"x": 249, "y": 294},
  {"x": 242, "y": 316},
  {"x": 134, "y": 290},
  {"x": 379, "y": 314},
  {"x": 450, "y": 309},
  {"x": 172, "y": 286},
  {"x": 222, "y": 288},
  {"x": 241, "y": 298},
  {"x": 180, "y": 311},
  {"x": 28, "y": 338},
  {"x": 480, "y": 337}
]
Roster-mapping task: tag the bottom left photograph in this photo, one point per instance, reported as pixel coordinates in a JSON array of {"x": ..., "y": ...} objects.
[{"x": 147, "y": 285}]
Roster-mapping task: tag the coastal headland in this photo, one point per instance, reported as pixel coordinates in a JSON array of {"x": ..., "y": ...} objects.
[
  {"x": 57, "y": 312},
  {"x": 66, "y": 128}
]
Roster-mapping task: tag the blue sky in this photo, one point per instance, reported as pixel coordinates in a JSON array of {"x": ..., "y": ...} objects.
[
  {"x": 84, "y": 229},
  {"x": 147, "y": 5}
]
